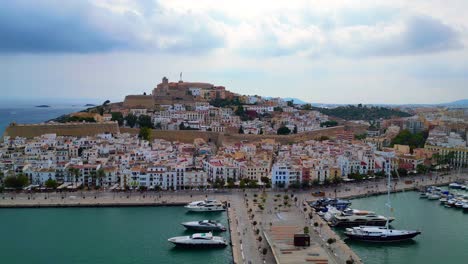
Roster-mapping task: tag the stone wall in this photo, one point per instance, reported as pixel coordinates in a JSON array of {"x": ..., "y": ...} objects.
[{"x": 61, "y": 129}]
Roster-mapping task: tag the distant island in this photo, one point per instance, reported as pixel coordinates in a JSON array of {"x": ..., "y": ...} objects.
[
  {"x": 90, "y": 105},
  {"x": 42, "y": 106}
]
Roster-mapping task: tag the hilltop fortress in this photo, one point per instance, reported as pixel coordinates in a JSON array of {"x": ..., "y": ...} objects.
[{"x": 167, "y": 93}]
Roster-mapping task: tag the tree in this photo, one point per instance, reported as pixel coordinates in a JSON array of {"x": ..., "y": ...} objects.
[
  {"x": 50, "y": 183},
  {"x": 106, "y": 103},
  {"x": 16, "y": 182},
  {"x": 305, "y": 184},
  {"x": 131, "y": 120},
  {"x": 261, "y": 131},
  {"x": 158, "y": 125},
  {"x": 117, "y": 116},
  {"x": 307, "y": 107},
  {"x": 329, "y": 123},
  {"x": 145, "y": 133},
  {"x": 295, "y": 129},
  {"x": 283, "y": 131},
  {"x": 278, "y": 109},
  {"x": 230, "y": 183},
  {"x": 360, "y": 136},
  {"x": 322, "y": 138},
  {"x": 421, "y": 169},
  {"x": 290, "y": 103},
  {"x": 145, "y": 121},
  {"x": 100, "y": 175},
  {"x": 241, "y": 130},
  {"x": 416, "y": 140}
]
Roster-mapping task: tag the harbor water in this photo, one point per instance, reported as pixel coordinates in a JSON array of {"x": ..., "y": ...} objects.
[
  {"x": 103, "y": 235},
  {"x": 444, "y": 237}
]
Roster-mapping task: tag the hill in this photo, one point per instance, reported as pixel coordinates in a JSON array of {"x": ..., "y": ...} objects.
[
  {"x": 352, "y": 112},
  {"x": 463, "y": 103}
]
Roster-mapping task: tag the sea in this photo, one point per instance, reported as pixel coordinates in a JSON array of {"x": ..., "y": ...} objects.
[
  {"x": 26, "y": 112},
  {"x": 444, "y": 237},
  {"x": 104, "y": 236}
]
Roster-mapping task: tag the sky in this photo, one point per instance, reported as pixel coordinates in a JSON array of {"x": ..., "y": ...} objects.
[{"x": 330, "y": 51}]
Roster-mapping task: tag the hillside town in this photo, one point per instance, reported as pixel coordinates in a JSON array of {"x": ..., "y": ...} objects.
[{"x": 431, "y": 138}]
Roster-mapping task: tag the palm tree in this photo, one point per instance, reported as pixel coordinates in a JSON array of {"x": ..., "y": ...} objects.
[
  {"x": 100, "y": 175},
  {"x": 93, "y": 175}
]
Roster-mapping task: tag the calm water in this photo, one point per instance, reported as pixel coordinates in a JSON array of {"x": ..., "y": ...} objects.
[
  {"x": 444, "y": 237},
  {"x": 102, "y": 235},
  {"x": 30, "y": 114}
]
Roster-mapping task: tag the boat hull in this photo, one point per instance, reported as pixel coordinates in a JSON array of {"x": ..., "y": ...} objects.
[
  {"x": 396, "y": 238},
  {"x": 206, "y": 209},
  {"x": 204, "y": 228},
  {"x": 186, "y": 245},
  {"x": 354, "y": 224}
]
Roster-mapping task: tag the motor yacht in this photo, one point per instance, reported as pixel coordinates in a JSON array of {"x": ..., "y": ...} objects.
[
  {"x": 210, "y": 207},
  {"x": 352, "y": 217},
  {"x": 204, "y": 225},
  {"x": 199, "y": 240},
  {"x": 206, "y": 201},
  {"x": 433, "y": 196}
]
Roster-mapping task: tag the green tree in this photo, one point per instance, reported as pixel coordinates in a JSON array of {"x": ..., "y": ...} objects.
[
  {"x": 307, "y": 107},
  {"x": 421, "y": 169},
  {"x": 131, "y": 120},
  {"x": 145, "y": 133},
  {"x": 290, "y": 103},
  {"x": 241, "y": 130},
  {"x": 145, "y": 121},
  {"x": 16, "y": 182},
  {"x": 283, "y": 131},
  {"x": 329, "y": 123},
  {"x": 100, "y": 175},
  {"x": 117, "y": 116},
  {"x": 50, "y": 183},
  {"x": 278, "y": 109},
  {"x": 106, "y": 103},
  {"x": 295, "y": 129}
]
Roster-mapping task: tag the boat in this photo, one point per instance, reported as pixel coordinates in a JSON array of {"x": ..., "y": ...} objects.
[
  {"x": 443, "y": 200},
  {"x": 380, "y": 234},
  {"x": 360, "y": 219},
  {"x": 465, "y": 208},
  {"x": 323, "y": 203},
  {"x": 455, "y": 185},
  {"x": 211, "y": 207},
  {"x": 433, "y": 196},
  {"x": 204, "y": 225},
  {"x": 199, "y": 240},
  {"x": 459, "y": 204},
  {"x": 423, "y": 195},
  {"x": 206, "y": 201}
]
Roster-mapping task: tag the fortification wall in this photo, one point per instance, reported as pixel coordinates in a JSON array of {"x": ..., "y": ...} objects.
[
  {"x": 61, "y": 129},
  {"x": 186, "y": 136},
  {"x": 139, "y": 101}
]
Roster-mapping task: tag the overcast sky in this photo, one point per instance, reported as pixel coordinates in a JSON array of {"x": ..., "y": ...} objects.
[{"x": 330, "y": 51}]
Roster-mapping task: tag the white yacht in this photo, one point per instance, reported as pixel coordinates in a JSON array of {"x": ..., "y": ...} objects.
[
  {"x": 199, "y": 240},
  {"x": 206, "y": 201},
  {"x": 434, "y": 196},
  {"x": 206, "y": 207},
  {"x": 204, "y": 225}
]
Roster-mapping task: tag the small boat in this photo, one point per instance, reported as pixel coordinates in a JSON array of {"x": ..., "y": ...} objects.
[
  {"x": 443, "y": 200},
  {"x": 423, "y": 195},
  {"x": 204, "y": 225},
  {"x": 199, "y": 240},
  {"x": 465, "y": 208},
  {"x": 379, "y": 234},
  {"x": 459, "y": 204},
  {"x": 211, "y": 207},
  {"x": 455, "y": 185},
  {"x": 451, "y": 202},
  {"x": 433, "y": 196},
  {"x": 463, "y": 187}
]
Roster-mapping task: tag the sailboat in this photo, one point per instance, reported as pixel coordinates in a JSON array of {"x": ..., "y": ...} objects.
[{"x": 380, "y": 234}]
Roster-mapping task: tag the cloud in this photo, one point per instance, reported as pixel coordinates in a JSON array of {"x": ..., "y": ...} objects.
[{"x": 86, "y": 27}]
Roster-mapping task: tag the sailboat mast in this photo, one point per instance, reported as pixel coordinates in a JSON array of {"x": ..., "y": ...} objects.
[{"x": 388, "y": 199}]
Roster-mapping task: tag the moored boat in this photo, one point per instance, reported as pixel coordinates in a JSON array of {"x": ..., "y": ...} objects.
[
  {"x": 212, "y": 207},
  {"x": 379, "y": 234},
  {"x": 204, "y": 225},
  {"x": 199, "y": 240}
]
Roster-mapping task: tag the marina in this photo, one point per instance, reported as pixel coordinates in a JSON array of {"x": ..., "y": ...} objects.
[
  {"x": 442, "y": 228},
  {"x": 105, "y": 235}
]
